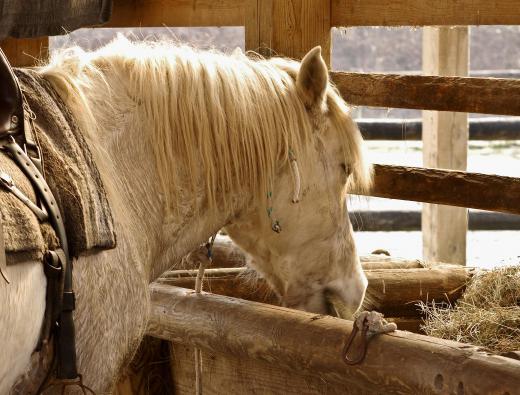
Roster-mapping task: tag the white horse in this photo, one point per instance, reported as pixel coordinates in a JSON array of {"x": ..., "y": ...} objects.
[{"x": 188, "y": 142}]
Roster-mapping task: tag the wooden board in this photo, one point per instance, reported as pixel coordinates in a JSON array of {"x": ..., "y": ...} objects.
[
  {"x": 304, "y": 343},
  {"x": 230, "y": 375},
  {"x": 292, "y": 28},
  {"x": 159, "y": 13},
  {"x": 449, "y": 187},
  {"x": 227, "y": 254},
  {"x": 445, "y": 145},
  {"x": 465, "y": 94},
  {"x": 26, "y": 52},
  {"x": 424, "y": 12},
  {"x": 393, "y": 292},
  {"x": 390, "y": 221},
  {"x": 489, "y": 128}
]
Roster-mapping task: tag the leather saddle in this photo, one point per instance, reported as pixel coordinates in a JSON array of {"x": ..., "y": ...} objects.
[
  {"x": 16, "y": 136},
  {"x": 11, "y": 123},
  {"x": 11, "y": 102}
]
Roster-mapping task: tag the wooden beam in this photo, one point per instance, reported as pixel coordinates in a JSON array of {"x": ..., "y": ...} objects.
[
  {"x": 393, "y": 292},
  {"x": 306, "y": 343},
  {"x": 445, "y": 145},
  {"x": 449, "y": 187},
  {"x": 488, "y": 128},
  {"x": 26, "y": 52},
  {"x": 390, "y": 221},
  {"x": 229, "y": 374},
  {"x": 465, "y": 94},
  {"x": 159, "y": 13},
  {"x": 252, "y": 25},
  {"x": 227, "y": 254},
  {"x": 424, "y": 12},
  {"x": 292, "y": 28}
]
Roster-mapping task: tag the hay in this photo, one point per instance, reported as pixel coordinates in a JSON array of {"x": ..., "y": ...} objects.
[{"x": 488, "y": 313}]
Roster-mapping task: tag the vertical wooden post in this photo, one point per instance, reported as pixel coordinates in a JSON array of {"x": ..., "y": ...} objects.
[
  {"x": 251, "y": 25},
  {"x": 445, "y": 145},
  {"x": 26, "y": 52},
  {"x": 291, "y": 28}
]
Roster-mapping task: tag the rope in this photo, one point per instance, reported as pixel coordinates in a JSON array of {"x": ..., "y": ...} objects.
[{"x": 198, "y": 288}]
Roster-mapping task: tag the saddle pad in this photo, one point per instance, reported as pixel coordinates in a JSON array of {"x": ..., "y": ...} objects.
[{"x": 71, "y": 174}]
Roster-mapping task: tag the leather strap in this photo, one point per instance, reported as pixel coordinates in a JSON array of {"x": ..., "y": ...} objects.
[
  {"x": 7, "y": 182},
  {"x": 16, "y": 137},
  {"x": 3, "y": 259},
  {"x": 65, "y": 332}
]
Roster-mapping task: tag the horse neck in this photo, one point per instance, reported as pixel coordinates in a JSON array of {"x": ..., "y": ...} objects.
[{"x": 133, "y": 186}]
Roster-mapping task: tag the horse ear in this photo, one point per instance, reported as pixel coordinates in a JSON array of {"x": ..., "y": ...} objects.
[{"x": 312, "y": 79}]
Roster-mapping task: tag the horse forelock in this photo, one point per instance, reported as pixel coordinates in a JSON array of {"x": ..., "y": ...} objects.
[{"x": 228, "y": 121}]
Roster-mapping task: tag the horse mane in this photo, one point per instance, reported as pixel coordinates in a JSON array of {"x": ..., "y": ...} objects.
[{"x": 230, "y": 120}]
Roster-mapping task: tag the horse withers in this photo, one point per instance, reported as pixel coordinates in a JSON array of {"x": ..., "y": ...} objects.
[{"x": 187, "y": 142}]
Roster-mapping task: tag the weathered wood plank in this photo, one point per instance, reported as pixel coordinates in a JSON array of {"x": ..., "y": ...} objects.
[
  {"x": 465, "y": 94},
  {"x": 252, "y": 25},
  {"x": 424, "y": 12},
  {"x": 231, "y": 375},
  {"x": 227, "y": 254},
  {"x": 292, "y": 28},
  {"x": 449, "y": 187},
  {"x": 398, "y": 363},
  {"x": 393, "y": 292},
  {"x": 489, "y": 128},
  {"x": 389, "y": 221},
  {"x": 26, "y": 52},
  {"x": 159, "y": 13},
  {"x": 445, "y": 145}
]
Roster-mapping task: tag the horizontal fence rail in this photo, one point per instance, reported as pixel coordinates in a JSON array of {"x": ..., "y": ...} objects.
[
  {"x": 424, "y": 12},
  {"x": 308, "y": 343},
  {"x": 492, "y": 128},
  {"x": 177, "y": 13},
  {"x": 497, "y": 73},
  {"x": 342, "y": 12},
  {"x": 499, "y": 96},
  {"x": 448, "y": 187},
  {"x": 392, "y": 292},
  {"x": 389, "y": 221}
]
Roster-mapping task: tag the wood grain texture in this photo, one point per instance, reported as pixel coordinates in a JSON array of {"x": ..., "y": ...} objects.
[
  {"x": 424, "y": 12},
  {"x": 445, "y": 52},
  {"x": 293, "y": 27},
  {"x": 393, "y": 292},
  {"x": 252, "y": 25},
  {"x": 26, "y": 52},
  {"x": 465, "y": 94},
  {"x": 397, "y": 363},
  {"x": 227, "y": 254},
  {"x": 178, "y": 13},
  {"x": 449, "y": 187},
  {"x": 231, "y": 375}
]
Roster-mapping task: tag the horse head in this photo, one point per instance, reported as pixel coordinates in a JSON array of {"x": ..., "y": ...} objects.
[{"x": 300, "y": 238}]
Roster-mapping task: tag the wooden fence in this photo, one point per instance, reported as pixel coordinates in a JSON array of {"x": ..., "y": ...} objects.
[{"x": 291, "y": 28}]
